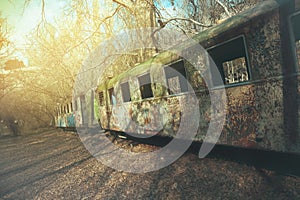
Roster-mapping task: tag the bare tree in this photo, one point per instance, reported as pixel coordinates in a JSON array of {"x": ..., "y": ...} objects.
[{"x": 57, "y": 51}]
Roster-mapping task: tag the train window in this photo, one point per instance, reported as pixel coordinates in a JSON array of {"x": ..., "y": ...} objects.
[
  {"x": 83, "y": 109},
  {"x": 75, "y": 105},
  {"x": 125, "y": 92},
  {"x": 231, "y": 60},
  {"x": 295, "y": 20},
  {"x": 111, "y": 96},
  {"x": 101, "y": 98},
  {"x": 176, "y": 78},
  {"x": 92, "y": 106},
  {"x": 145, "y": 86}
]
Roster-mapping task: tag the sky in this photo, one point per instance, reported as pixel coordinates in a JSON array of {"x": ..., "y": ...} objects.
[{"x": 22, "y": 21}]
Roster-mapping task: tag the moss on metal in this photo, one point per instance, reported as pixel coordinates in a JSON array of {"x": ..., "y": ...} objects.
[
  {"x": 255, "y": 109},
  {"x": 229, "y": 24}
]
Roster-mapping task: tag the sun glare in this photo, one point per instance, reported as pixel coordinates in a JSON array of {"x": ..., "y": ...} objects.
[{"x": 22, "y": 21}]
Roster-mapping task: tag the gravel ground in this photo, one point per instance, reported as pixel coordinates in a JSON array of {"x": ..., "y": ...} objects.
[{"x": 56, "y": 165}]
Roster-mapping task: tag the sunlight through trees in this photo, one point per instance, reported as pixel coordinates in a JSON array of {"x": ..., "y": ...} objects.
[{"x": 56, "y": 50}]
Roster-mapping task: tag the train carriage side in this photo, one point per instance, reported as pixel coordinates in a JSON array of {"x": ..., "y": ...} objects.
[
  {"x": 135, "y": 100},
  {"x": 86, "y": 110},
  {"x": 255, "y": 54},
  {"x": 65, "y": 117}
]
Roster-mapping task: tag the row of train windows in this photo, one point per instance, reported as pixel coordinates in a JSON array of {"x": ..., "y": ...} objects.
[
  {"x": 65, "y": 109},
  {"x": 176, "y": 84},
  {"x": 230, "y": 58}
]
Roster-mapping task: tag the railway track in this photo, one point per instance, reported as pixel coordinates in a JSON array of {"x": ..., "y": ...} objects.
[{"x": 278, "y": 162}]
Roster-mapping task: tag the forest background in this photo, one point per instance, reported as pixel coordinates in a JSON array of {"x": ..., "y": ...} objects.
[{"x": 44, "y": 43}]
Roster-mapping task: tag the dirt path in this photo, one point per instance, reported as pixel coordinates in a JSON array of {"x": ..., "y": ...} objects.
[{"x": 55, "y": 165}]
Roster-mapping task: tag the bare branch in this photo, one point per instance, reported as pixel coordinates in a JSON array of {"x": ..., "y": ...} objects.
[
  {"x": 163, "y": 24},
  {"x": 97, "y": 28},
  {"x": 122, "y": 4},
  {"x": 43, "y": 11},
  {"x": 224, "y": 7},
  {"x": 186, "y": 19}
]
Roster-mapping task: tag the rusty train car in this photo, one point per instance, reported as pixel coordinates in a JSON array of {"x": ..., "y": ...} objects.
[{"x": 257, "y": 53}]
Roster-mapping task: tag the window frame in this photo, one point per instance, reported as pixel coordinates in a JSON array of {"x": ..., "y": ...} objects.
[
  {"x": 67, "y": 108},
  {"x": 148, "y": 84},
  {"x": 110, "y": 95},
  {"x": 59, "y": 110},
  {"x": 169, "y": 65},
  {"x": 247, "y": 62},
  {"x": 293, "y": 41},
  {"x": 63, "y": 109},
  {"x": 101, "y": 98},
  {"x": 83, "y": 108},
  {"x": 122, "y": 92},
  {"x": 75, "y": 105}
]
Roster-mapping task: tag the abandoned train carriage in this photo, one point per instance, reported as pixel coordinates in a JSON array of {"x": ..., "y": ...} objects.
[
  {"x": 83, "y": 111},
  {"x": 65, "y": 117},
  {"x": 257, "y": 54}
]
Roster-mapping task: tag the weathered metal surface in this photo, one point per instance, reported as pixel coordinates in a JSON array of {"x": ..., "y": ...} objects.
[
  {"x": 66, "y": 120},
  {"x": 255, "y": 110}
]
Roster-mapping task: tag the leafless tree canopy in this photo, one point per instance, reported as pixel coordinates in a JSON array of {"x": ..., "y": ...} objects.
[{"x": 56, "y": 51}]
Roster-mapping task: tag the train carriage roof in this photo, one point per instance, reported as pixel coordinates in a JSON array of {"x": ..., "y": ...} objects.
[{"x": 238, "y": 20}]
